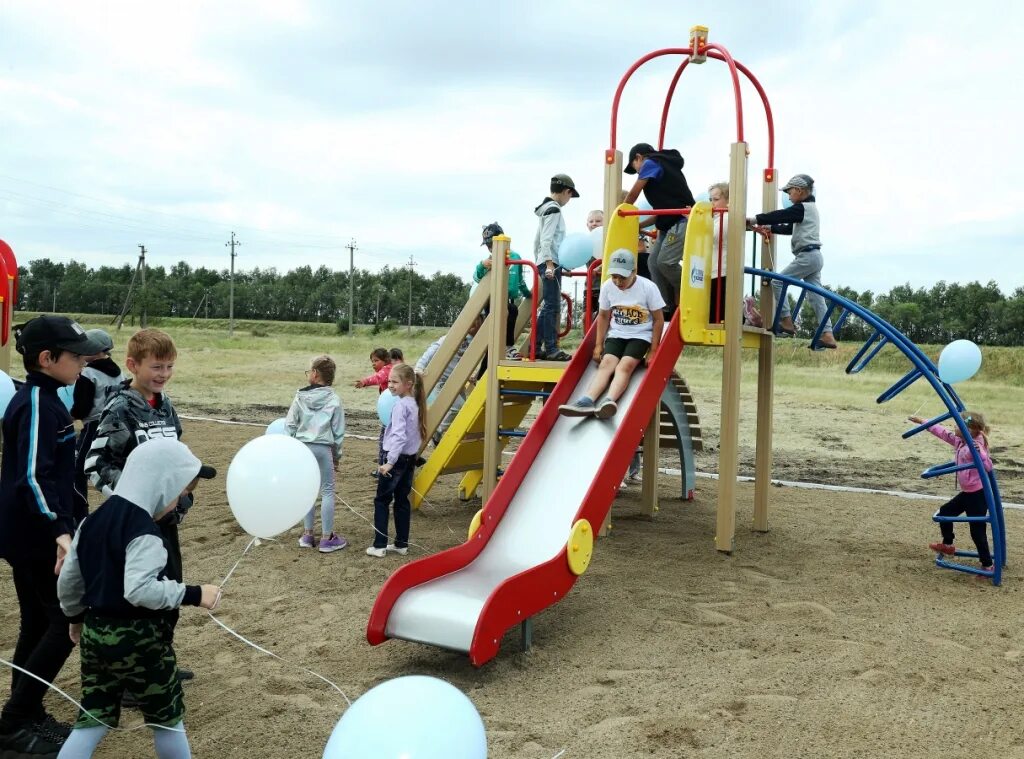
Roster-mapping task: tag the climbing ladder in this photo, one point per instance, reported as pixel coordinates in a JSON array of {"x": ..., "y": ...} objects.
[{"x": 922, "y": 367}]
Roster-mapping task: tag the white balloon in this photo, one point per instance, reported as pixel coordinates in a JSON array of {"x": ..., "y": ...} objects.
[
  {"x": 272, "y": 482},
  {"x": 435, "y": 720},
  {"x": 597, "y": 238},
  {"x": 7, "y": 391}
]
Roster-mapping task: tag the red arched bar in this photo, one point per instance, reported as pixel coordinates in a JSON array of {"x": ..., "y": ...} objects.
[
  {"x": 750, "y": 77},
  {"x": 711, "y": 48},
  {"x": 626, "y": 77}
]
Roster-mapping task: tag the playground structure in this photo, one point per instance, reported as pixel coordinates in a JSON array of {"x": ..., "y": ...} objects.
[
  {"x": 535, "y": 535},
  {"x": 8, "y": 299}
]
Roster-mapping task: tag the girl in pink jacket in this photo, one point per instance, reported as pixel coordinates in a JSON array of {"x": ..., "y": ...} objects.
[
  {"x": 971, "y": 498},
  {"x": 380, "y": 359}
]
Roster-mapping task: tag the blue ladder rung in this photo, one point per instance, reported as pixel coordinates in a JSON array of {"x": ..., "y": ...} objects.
[
  {"x": 906, "y": 381},
  {"x": 969, "y": 570},
  {"x": 527, "y": 393},
  {"x": 926, "y": 425},
  {"x": 940, "y": 469},
  {"x": 853, "y": 367},
  {"x": 840, "y": 322},
  {"x": 799, "y": 305},
  {"x": 511, "y": 433},
  {"x": 968, "y": 554},
  {"x": 937, "y": 518}
]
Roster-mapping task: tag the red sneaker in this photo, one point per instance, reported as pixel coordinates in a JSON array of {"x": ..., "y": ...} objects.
[{"x": 944, "y": 548}]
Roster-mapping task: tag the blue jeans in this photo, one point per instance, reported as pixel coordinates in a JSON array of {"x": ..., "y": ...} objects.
[
  {"x": 395, "y": 487},
  {"x": 550, "y": 310},
  {"x": 325, "y": 459}
]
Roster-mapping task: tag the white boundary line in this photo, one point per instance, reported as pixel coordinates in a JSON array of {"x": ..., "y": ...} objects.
[{"x": 705, "y": 475}]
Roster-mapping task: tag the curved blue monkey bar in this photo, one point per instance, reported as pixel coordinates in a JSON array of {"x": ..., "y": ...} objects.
[{"x": 922, "y": 367}]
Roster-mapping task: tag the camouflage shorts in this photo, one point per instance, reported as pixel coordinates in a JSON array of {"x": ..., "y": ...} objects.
[{"x": 134, "y": 656}]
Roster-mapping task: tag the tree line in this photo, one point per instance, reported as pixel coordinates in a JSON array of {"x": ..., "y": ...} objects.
[
  {"x": 937, "y": 315},
  {"x": 302, "y": 294}
]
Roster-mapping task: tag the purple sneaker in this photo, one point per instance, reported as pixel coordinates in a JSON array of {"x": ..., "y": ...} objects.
[
  {"x": 333, "y": 543},
  {"x": 306, "y": 541}
]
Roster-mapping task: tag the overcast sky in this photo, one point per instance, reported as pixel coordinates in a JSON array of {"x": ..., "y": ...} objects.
[{"x": 409, "y": 125}]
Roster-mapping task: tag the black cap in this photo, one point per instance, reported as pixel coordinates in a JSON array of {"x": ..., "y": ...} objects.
[
  {"x": 206, "y": 472},
  {"x": 53, "y": 332},
  {"x": 566, "y": 181},
  {"x": 489, "y": 231},
  {"x": 643, "y": 148}
]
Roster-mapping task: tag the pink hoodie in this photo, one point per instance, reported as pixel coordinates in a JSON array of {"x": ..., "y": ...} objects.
[
  {"x": 378, "y": 378},
  {"x": 969, "y": 479}
]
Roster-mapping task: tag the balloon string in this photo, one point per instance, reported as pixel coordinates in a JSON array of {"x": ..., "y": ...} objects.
[
  {"x": 378, "y": 532},
  {"x": 85, "y": 711},
  {"x": 921, "y": 406},
  {"x": 260, "y": 648}
]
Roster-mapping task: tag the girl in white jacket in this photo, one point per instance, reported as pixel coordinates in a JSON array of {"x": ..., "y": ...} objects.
[{"x": 317, "y": 419}]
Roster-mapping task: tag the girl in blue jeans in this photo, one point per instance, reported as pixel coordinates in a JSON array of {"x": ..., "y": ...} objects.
[
  {"x": 402, "y": 440},
  {"x": 317, "y": 419}
]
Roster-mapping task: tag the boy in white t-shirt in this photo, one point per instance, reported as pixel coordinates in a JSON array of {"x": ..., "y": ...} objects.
[{"x": 629, "y": 327}]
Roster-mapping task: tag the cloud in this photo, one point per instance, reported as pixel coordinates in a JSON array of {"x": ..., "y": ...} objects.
[{"x": 407, "y": 126}]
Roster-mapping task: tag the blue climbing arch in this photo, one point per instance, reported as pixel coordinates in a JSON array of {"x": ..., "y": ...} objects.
[{"x": 921, "y": 368}]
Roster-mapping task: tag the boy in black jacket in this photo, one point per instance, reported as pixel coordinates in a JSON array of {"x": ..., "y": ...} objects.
[
  {"x": 114, "y": 587},
  {"x": 36, "y": 523},
  {"x": 660, "y": 177}
]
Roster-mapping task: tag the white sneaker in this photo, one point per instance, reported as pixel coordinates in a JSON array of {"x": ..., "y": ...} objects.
[
  {"x": 379, "y": 553},
  {"x": 625, "y": 484},
  {"x": 635, "y": 477},
  {"x": 392, "y": 548}
]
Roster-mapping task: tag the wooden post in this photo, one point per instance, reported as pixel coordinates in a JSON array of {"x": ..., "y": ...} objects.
[
  {"x": 495, "y": 353},
  {"x": 765, "y": 372},
  {"x": 651, "y": 459},
  {"x": 612, "y": 190},
  {"x": 728, "y": 456}
]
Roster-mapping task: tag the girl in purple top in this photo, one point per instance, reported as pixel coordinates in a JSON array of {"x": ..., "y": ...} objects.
[
  {"x": 971, "y": 498},
  {"x": 402, "y": 440}
]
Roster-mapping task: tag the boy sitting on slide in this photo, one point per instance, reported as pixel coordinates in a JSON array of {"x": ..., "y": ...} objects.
[{"x": 629, "y": 327}]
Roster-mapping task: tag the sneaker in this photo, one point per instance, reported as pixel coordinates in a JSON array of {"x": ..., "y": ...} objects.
[
  {"x": 990, "y": 569},
  {"x": 27, "y": 741},
  {"x": 392, "y": 548},
  {"x": 333, "y": 543},
  {"x": 558, "y": 356},
  {"x": 52, "y": 729},
  {"x": 635, "y": 477},
  {"x": 583, "y": 406},
  {"x": 513, "y": 355},
  {"x": 185, "y": 674},
  {"x": 624, "y": 485},
  {"x": 379, "y": 553},
  {"x": 606, "y": 409},
  {"x": 943, "y": 548},
  {"x": 306, "y": 541}
]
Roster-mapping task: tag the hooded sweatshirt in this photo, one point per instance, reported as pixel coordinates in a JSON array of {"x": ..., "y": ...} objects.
[
  {"x": 968, "y": 479},
  {"x": 316, "y": 416},
  {"x": 117, "y": 563},
  {"x": 550, "y": 232},
  {"x": 98, "y": 380}
]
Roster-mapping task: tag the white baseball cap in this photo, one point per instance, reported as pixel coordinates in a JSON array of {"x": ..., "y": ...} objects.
[{"x": 621, "y": 263}]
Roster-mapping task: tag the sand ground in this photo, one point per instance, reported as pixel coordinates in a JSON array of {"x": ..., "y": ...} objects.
[{"x": 833, "y": 635}]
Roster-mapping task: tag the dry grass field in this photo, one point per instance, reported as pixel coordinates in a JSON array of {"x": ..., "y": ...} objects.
[{"x": 833, "y": 635}]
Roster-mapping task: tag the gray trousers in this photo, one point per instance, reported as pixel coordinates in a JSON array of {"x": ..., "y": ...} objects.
[
  {"x": 324, "y": 456},
  {"x": 666, "y": 261},
  {"x": 807, "y": 266}
]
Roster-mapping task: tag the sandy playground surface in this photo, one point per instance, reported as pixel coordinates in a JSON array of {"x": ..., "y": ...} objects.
[{"x": 833, "y": 635}]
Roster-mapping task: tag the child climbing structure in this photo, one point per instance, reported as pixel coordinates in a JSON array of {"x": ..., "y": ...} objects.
[{"x": 534, "y": 536}]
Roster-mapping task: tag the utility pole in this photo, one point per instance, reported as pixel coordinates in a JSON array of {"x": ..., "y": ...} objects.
[
  {"x": 142, "y": 285},
  {"x": 206, "y": 300},
  {"x": 231, "y": 292},
  {"x": 351, "y": 284},
  {"x": 411, "y": 264}
]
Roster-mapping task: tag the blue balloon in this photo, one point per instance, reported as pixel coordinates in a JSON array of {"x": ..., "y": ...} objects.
[
  {"x": 385, "y": 402},
  {"x": 277, "y": 427},
  {"x": 959, "y": 361},
  {"x": 7, "y": 391},
  {"x": 435, "y": 721},
  {"x": 67, "y": 395},
  {"x": 575, "y": 250}
]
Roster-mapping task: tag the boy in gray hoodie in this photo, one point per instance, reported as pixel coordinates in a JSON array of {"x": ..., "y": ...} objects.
[
  {"x": 550, "y": 233},
  {"x": 317, "y": 419},
  {"x": 114, "y": 588}
]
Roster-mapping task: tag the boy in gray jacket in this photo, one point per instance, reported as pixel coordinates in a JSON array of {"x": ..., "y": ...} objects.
[
  {"x": 550, "y": 233},
  {"x": 317, "y": 419},
  {"x": 114, "y": 588}
]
